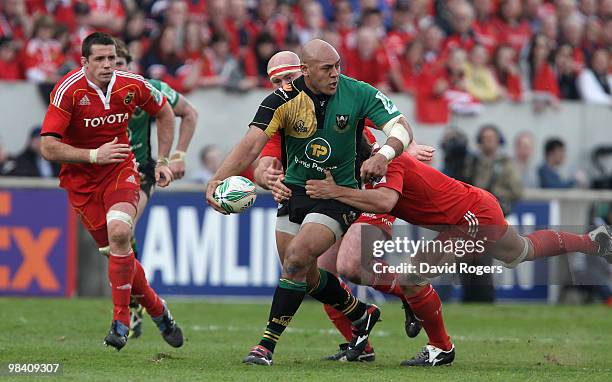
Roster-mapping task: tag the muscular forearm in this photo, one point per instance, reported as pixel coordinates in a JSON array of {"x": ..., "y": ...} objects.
[
  {"x": 396, "y": 143},
  {"x": 189, "y": 118},
  {"x": 363, "y": 200},
  {"x": 54, "y": 150},
  {"x": 245, "y": 153},
  {"x": 165, "y": 131}
]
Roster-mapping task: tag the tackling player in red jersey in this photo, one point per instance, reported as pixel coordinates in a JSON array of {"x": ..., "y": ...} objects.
[
  {"x": 85, "y": 128},
  {"x": 421, "y": 195}
]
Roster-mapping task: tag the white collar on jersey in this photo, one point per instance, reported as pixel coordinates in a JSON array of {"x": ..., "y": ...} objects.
[{"x": 104, "y": 98}]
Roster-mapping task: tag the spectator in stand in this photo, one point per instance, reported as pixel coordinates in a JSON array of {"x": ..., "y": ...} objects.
[
  {"x": 550, "y": 26},
  {"x": 15, "y": 23},
  {"x": 483, "y": 23},
  {"x": 402, "y": 30},
  {"x": 549, "y": 171},
  {"x": 524, "y": 144},
  {"x": 595, "y": 81},
  {"x": 81, "y": 30},
  {"x": 606, "y": 34},
  {"x": 210, "y": 160},
  {"x": 461, "y": 19},
  {"x": 592, "y": 37},
  {"x": 567, "y": 73},
  {"x": 510, "y": 28},
  {"x": 43, "y": 54},
  {"x": 163, "y": 61},
  {"x": 541, "y": 74},
  {"x": 344, "y": 23},
  {"x": 565, "y": 8},
  {"x": 588, "y": 8},
  {"x": 266, "y": 19},
  {"x": 373, "y": 18},
  {"x": 194, "y": 41},
  {"x": 62, "y": 35},
  {"x": 265, "y": 48},
  {"x": 433, "y": 38},
  {"x": 369, "y": 62},
  {"x": 29, "y": 162},
  {"x": 480, "y": 81},
  {"x": 236, "y": 26},
  {"x": 107, "y": 16},
  {"x": 572, "y": 31},
  {"x": 136, "y": 29},
  {"x": 223, "y": 69},
  {"x": 411, "y": 65},
  {"x": 313, "y": 28},
  {"x": 605, "y": 9},
  {"x": 507, "y": 73},
  {"x": 10, "y": 68},
  {"x": 532, "y": 10}
]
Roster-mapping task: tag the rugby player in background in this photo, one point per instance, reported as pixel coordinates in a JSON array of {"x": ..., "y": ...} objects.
[
  {"x": 139, "y": 131},
  {"x": 421, "y": 195},
  {"x": 85, "y": 129}
]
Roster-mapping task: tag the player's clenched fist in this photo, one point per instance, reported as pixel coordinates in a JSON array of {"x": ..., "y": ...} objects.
[
  {"x": 374, "y": 168},
  {"x": 163, "y": 174},
  {"x": 110, "y": 152}
]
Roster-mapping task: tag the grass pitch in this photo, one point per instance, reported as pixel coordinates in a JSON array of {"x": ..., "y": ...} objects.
[{"x": 494, "y": 343}]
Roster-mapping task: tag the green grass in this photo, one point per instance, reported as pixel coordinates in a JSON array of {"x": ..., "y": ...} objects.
[{"x": 494, "y": 343}]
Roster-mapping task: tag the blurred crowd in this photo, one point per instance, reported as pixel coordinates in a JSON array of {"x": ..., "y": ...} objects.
[{"x": 453, "y": 56}]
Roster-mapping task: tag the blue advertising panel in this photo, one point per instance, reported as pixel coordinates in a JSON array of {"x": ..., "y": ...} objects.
[
  {"x": 37, "y": 243},
  {"x": 189, "y": 249}
]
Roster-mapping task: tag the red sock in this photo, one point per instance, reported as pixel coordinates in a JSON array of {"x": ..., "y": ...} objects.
[
  {"x": 341, "y": 322},
  {"x": 547, "y": 243},
  {"x": 146, "y": 295},
  {"x": 121, "y": 276},
  {"x": 427, "y": 307},
  {"x": 387, "y": 283}
]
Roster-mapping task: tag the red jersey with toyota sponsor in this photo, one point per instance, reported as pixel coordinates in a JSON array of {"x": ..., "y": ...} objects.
[
  {"x": 84, "y": 116},
  {"x": 427, "y": 197}
]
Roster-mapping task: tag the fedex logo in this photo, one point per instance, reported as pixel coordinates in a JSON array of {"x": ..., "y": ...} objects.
[
  {"x": 110, "y": 119},
  {"x": 36, "y": 249}
]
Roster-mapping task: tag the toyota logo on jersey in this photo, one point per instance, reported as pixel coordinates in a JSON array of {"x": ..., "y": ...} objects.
[{"x": 110, "y": 119}]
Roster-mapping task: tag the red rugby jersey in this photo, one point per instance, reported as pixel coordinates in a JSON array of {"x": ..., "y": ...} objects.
[
  {"x": 83, "y": 116},
  {"x": 427, "y": 197}
]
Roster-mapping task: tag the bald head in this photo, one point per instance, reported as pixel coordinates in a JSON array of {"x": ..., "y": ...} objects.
[
  {"x": 321, "y": 67},
  {"x": 318, "y": 51}
]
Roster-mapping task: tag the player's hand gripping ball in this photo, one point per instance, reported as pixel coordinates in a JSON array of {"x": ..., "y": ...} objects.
[{"x": 235, "y": 194}]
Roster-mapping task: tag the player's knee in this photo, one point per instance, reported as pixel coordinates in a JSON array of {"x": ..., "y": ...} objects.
[
  {"x": 119, "y": 233},
  {"x": 296, "y": 262}
]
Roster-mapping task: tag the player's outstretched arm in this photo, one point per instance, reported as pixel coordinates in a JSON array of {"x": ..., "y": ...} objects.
[
  {"x": 243, "y": 154},
  {"x": 380, "y": 200},
  {"x": 165, "y": 135},
  {"x": 54, "y": 150},
  {"x": 189, "y": 118}
]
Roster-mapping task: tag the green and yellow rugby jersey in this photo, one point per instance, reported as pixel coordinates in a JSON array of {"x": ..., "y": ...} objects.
[
  {"x": 321, "y": 132},
  {"x": 139, "y": 127}
]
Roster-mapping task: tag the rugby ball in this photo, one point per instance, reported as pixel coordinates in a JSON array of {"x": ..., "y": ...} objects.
[{"x": 235, "y": 194}]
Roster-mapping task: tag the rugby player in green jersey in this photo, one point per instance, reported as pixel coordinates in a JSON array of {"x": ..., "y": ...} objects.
[
  {"x": 320, "y": 118},
  {"x": 139, "y": 130}
]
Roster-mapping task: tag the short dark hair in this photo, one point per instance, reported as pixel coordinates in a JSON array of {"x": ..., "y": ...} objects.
[
  {"x": 96, "y": 38},
  {"x": 553, "y": 144}
]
